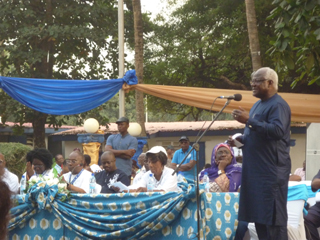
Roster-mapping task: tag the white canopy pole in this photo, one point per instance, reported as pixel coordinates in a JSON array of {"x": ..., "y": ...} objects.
[{"x": 121, "y": 56}]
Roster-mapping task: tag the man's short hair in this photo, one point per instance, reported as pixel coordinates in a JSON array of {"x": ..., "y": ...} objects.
[
  {"x": 270, "y": 74},
  {"x": 108, "y": 153},
  {"x": 87, "y": 159}
]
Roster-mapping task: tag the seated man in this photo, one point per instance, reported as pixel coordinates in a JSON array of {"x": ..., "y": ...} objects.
[
  {"x": 78, "y": 179},
  {"x": 143, "y": 162},
  {"x": 312, "y": 219},
  {"x": 110, "y": 174},
  {"x": 8, "y": 177},
  {"x": 59, "y": 161}
]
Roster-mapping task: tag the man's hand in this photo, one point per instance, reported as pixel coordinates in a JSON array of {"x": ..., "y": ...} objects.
[
  {"x": 131, "y": 152},
  {"x": 240, "y": 115},
  {"x": 230, "y": 141},
  {"x": 116, "y": 189}
]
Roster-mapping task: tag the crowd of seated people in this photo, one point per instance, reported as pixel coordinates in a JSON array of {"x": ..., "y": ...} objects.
[{"x": 224, "y": 172}]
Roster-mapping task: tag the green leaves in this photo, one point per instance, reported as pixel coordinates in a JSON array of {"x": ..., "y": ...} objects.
[
  {"x": 297, "y": 47},
  {"x": 56, "y": 40}
]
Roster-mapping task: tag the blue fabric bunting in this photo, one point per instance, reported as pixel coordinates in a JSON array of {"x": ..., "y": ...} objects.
[
  {"x": 64, "y": 97},
  {"x": 151, "y": 215}
]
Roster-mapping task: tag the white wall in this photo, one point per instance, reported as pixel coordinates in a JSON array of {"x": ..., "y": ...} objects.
[
  {"x": 69, "y": 146},
  {"x": 313, "y": 150},
  {"x": 298, "y": 152}
]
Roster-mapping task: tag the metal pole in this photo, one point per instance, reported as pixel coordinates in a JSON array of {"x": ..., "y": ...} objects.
[{"x": 121, "y": 56}]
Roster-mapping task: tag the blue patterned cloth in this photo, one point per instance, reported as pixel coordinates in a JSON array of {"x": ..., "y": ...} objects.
[
  {"x": 41, "y": 215},
  {"x": 221, "y": 215},
  {"x": 129, "y": 215}
]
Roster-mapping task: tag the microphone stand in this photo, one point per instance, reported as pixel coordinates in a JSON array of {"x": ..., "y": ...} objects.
[{"x": 196, "y": 147}]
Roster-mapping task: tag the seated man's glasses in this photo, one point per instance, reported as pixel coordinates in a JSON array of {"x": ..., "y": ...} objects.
[
  {"x": 71, "y": 161},
  {"x": 258, "y": 81}
]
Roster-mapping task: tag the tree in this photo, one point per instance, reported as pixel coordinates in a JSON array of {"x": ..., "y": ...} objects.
[
  {"x": 138, "y": 40},
  {"x": 202, "y": 44},
  {"x": 55, "y": 40},
  {"x": 296, "y": 46},
  {"x": 253, "y": 35}
]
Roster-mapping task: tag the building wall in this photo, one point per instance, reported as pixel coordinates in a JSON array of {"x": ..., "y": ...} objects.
[
  {"x": 297, "y": 152},
  {"x": 210, "y": 142},
  {"x": 69, "y": 146}
]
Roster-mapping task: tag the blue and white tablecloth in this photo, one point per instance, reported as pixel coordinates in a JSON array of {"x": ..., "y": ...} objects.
[{"x": 42, "y": 215}]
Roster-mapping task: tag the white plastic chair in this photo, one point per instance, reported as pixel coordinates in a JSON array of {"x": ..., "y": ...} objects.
[{"x": 295, "y": 225}]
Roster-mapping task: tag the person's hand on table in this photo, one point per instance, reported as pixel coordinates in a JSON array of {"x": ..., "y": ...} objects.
[
  {"x": 116, "y": 189},
  {"x": 142, "y": 189}
]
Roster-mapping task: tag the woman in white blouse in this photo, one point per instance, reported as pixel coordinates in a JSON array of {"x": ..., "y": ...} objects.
[{"x": 162, "y": 175}]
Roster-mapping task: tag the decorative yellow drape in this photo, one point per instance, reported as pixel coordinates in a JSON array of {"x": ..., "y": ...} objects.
[
  {"x": 304, "y": 107},
  {"x": 92, "y": 149}
]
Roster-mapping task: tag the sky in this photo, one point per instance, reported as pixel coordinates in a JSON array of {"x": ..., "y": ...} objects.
[{"x": 153, "y": 6}]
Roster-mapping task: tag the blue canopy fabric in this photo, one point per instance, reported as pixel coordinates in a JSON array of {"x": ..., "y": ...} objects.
[{"x": 64, "y": 97}]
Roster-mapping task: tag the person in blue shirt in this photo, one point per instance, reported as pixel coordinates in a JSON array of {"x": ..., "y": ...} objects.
[
  {"x": 123, "y": 146},
  {"x": 188, "y": 168}
]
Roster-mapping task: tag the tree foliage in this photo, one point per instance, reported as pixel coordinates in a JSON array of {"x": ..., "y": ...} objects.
[
  {"x": 203, "y": 44},
  {"x": 15, "y": 154},
  {"x": 296, "y": 48},
  {"x": 58, "y": 39}
]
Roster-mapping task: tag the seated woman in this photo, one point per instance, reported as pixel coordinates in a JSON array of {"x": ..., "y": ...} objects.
[
  {"x": 225, "y": 172},
  {"x": 162, "y": 175},
  {"x": 41, "y": 160}
]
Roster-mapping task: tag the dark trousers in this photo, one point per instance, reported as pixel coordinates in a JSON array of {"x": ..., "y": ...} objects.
[
  {"x": 241, "y": 230},
  {"x": 271, "y": 232},
  {"x": 312, "y": 221}
]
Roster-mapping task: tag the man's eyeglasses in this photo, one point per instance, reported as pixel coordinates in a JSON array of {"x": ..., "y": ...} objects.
[
  {"x": 71, "y": 161},
  {"x": 258, "y": 81}
]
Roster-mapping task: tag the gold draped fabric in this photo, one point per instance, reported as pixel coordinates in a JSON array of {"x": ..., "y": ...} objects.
[
  {"x": 92, "y": 149},
  {"x": 304, "y": 107}
]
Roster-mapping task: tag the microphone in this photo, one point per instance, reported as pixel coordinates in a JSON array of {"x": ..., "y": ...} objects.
[
  {"x": 79, "y": 165},
  {"x": 236, "y": 97}
]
